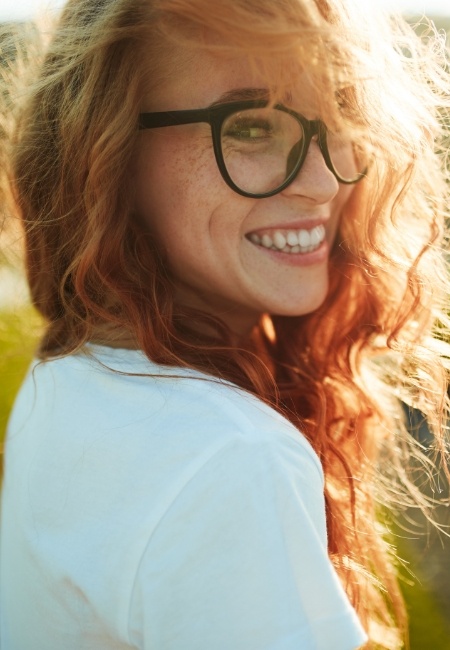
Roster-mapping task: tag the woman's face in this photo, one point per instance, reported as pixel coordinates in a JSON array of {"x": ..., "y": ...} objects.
[{"x": 216, "y": 241}]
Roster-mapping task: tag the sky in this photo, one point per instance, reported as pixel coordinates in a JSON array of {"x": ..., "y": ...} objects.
[{"x": 20, "y": 9}]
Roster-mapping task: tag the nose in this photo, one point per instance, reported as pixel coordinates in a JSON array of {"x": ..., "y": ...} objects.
[{"x": 314, "y": 181}]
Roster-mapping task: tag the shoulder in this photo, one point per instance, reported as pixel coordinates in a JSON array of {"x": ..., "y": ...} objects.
[
  {"x": 116, "y": 420},
  {"x": 208, "y": 500},
  {"x": 120, "y": 391}
]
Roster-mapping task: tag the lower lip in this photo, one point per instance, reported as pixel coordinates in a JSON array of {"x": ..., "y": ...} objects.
[{"x": 317, "y": 256}]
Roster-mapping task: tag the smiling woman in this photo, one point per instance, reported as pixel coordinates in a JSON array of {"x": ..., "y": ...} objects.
[
  {"x": 234, "y": 220},
  {"x": 246, "y": 266}
]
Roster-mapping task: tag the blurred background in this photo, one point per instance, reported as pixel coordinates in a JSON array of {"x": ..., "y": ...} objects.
[{"x": 425, "y": 553}]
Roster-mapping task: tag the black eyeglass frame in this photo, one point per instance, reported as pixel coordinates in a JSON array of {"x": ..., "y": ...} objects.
[{"x": 215, "y": 117}]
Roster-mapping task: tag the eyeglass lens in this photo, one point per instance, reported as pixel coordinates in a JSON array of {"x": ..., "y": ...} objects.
[{"x": 261, "y": 147}]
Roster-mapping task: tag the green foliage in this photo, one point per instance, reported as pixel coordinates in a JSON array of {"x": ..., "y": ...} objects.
[
  {"x": 428, "y": 629},
  {"x": 18, "y": 334}
]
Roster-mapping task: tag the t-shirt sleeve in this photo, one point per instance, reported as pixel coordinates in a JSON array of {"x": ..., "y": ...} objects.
[{"x": 239, "y": 561}]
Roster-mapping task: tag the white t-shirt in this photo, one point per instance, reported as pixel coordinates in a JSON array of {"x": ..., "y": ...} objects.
[{"x": 161, "y": 513}]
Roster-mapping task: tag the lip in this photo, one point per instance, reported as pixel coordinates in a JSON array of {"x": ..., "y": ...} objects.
[{"x": 299, "y": 224}]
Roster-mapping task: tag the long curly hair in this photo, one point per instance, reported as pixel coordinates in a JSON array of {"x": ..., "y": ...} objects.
[{"x": 338, "y": 373}]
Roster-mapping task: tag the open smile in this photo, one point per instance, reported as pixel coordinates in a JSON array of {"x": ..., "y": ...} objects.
[{"x": 295, "y": 241}]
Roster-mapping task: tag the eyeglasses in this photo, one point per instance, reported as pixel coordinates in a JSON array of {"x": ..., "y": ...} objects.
[{"x": 260, "y": 148}]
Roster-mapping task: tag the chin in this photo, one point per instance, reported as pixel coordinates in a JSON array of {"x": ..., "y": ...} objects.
[{"x": 301, "y": 308}]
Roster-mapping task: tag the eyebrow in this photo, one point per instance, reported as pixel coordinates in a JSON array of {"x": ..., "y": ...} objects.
[{"x": 241, "y": 94}]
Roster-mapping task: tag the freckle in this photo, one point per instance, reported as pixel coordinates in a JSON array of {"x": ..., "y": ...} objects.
[{"x": 200, "y": 162}]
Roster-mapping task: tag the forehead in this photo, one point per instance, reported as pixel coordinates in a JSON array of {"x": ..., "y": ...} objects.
[{"x": 196, "y": 79}]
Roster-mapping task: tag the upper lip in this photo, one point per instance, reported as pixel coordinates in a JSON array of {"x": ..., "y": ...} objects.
[{"x": 306, "y": 223}]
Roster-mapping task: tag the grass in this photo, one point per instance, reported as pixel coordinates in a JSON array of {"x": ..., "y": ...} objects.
[{"x": 18, "y": 334}]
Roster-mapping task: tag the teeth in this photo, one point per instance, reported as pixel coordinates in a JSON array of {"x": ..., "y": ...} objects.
[
  {"x": 279, "y": 240},
  {"x": 266, "y": 241},
  {"x": 292, "y": 238},
  {"x": 304, "y": 238},
  {"x": 292, "y": 241},
  {"x": 316, "y": 236}
]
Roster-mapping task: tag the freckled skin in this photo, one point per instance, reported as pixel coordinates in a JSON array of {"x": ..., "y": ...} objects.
[{"x": 201, "y": 223}]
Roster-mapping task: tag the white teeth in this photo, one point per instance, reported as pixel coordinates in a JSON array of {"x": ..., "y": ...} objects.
[
  {"x": 293, "y": 241},
  {"x": 304, "y": 238},
  {"x": 316, "y": 236},
  {"x": 292, "y": 238},
  {"x": 279, "y": 240}
]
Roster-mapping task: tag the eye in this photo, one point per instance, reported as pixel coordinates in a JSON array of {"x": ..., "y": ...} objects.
[{"x": 249, "y": 127}]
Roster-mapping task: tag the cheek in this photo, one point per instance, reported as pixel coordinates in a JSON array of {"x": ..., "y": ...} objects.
[
  {"x": 174, "y": 180},
  {"x": 342, "y": 198},
  {"x": 344, "y": 194}
]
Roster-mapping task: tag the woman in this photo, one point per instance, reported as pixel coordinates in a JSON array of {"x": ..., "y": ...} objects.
[{"x": 233, "y": 215}]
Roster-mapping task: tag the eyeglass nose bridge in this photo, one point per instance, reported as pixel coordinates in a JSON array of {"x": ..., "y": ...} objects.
[
  {"x": 296, "y": 158},
  {"x": 315, "y": 127}
]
